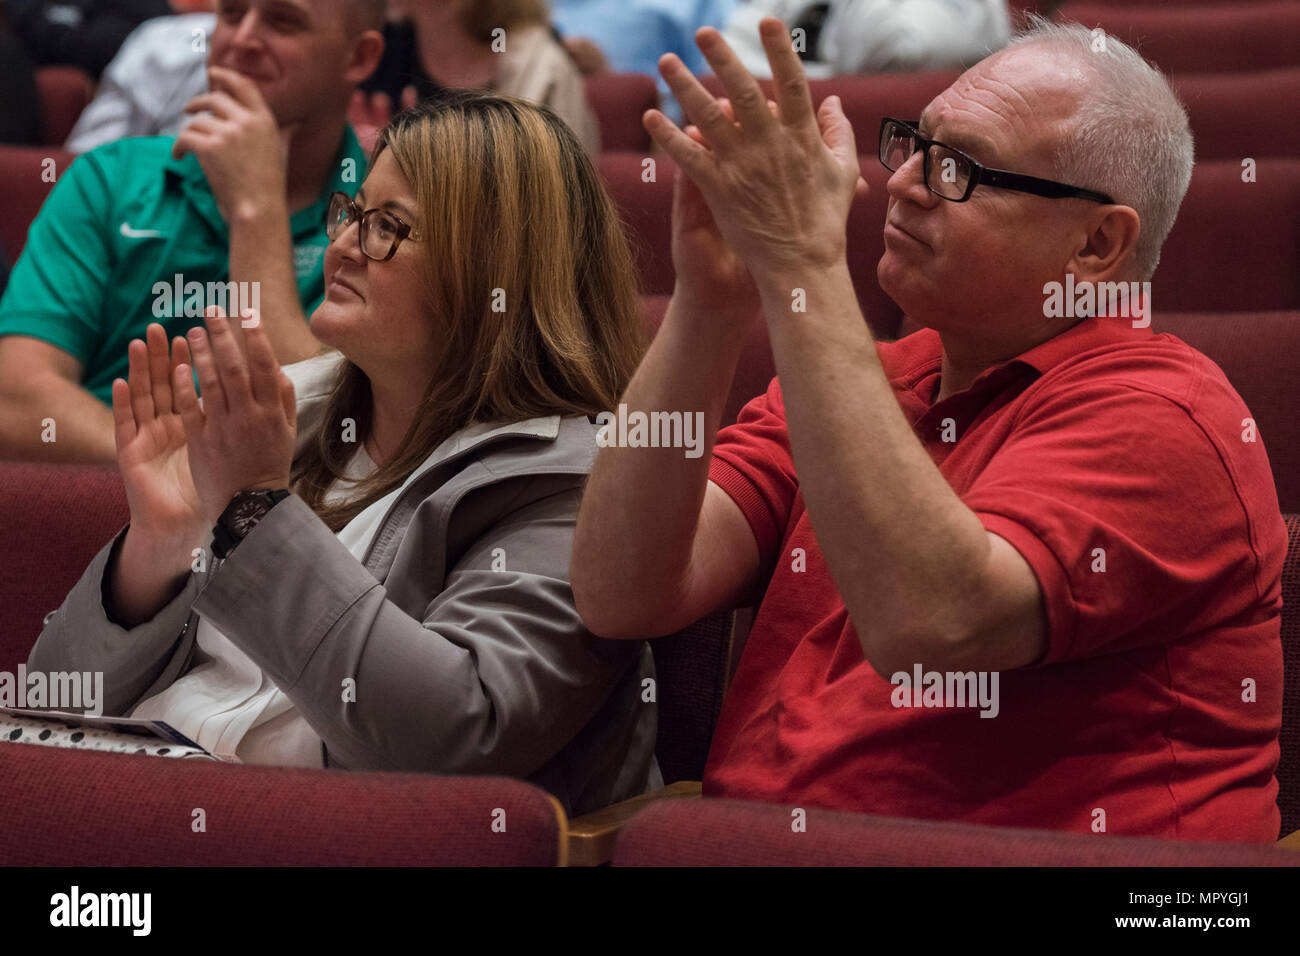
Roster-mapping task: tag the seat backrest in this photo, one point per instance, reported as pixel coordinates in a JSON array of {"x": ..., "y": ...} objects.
[
  {"x": 1232, "y": 247},
  {"x": 1232, "y": 115},
  {"x": 718, "y": 832},
  {"x": 27, "y": 175},
  {"x": 692, "y": 668},
  {"x": 64, "y": 92},
  {"x": 1235, "y": 115},
  {"x": 82, "y": 808},
  {"x": 643, "y": 193},
  {"x": 1200, "y": 38},
  {"x": 619, "y": 100},
  {"x": 754, "y": 371},
  {"x": 1288, "y": 768},
  {"x": 53, "y": 521}
]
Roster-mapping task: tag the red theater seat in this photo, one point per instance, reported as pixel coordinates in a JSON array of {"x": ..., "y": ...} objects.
[
  {"x": 692, "y": 673},
  {"x": 64, "y": 92},
  {"x": 1235, "y": 115},
  {"x": 619, "y": 100},
  {"x": 81, "y": 808},
  {"x": 1201, "y": 38},
  {"x": 755, "y": 370},
  {"x": 55, "y": 520},
  {"x": 715, "y": 832},
  {"x": 644, "y": 196},
  {"x": 1234, "y": 243},
  {"x": 1288, "y": 768},
  {"x": 1231, "y": 114},
  {"x": 23, "y": 188}
]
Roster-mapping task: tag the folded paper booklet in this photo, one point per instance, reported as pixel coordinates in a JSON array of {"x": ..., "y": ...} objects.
[{"x": 57, "y": 728}]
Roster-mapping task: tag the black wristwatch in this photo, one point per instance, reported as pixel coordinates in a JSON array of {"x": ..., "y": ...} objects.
[{"x": 243, "y": 513}]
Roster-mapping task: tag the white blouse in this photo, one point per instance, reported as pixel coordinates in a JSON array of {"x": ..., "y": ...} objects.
[{"x": 226, "y": 704}]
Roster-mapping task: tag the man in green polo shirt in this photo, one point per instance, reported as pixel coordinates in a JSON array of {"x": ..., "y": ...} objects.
[{"x": 230, "y": 212}]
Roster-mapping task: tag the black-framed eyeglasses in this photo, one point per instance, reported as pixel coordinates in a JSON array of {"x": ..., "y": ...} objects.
[
  {"x": 380, "y": 231},
  {"x": 951, "y": 174}
]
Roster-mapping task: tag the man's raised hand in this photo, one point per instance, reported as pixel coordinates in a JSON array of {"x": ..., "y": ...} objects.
[
  {"x": 241, "y": 147},
  {"x": 778, "y": 183}
]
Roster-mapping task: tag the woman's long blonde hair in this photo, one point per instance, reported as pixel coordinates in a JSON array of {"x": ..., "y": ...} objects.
[{"x": 529, "y": 279}]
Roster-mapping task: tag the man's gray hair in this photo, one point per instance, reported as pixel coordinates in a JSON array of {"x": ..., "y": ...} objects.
[{"x": 1130, "y": 137}]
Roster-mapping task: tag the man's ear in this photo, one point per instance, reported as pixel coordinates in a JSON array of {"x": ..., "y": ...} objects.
[
  {"x": 367, "y": 50},
  {"x": 1109, "y": 244}
]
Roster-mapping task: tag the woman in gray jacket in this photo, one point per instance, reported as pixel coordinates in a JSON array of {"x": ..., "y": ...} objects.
[{"x": 361, "y": 560}]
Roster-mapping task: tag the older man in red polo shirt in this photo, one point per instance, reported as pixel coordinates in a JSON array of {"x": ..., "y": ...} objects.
[{"x": 1020, "y": 568}]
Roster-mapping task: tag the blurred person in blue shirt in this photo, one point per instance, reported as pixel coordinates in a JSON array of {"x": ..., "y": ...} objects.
[{"x": 633, "y": 34}]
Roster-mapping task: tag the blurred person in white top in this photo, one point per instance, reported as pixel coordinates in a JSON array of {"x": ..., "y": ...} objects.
[{"x": 875, "y": 36}]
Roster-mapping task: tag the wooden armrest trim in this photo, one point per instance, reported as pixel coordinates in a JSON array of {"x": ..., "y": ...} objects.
[{"x": 592, "y": 835}]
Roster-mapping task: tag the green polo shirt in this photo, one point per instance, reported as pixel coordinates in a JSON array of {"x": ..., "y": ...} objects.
[{"x": 130, "y": 236}]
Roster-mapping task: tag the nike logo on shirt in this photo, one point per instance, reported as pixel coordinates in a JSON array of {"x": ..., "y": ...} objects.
[{"x": 130, "y": 233}]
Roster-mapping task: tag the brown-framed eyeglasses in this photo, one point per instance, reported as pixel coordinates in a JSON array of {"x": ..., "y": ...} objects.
[{"x": 381, "y": 232}]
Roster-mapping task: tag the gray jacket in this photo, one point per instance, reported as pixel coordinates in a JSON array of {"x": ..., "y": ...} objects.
[{"x": 458, "y": 628}]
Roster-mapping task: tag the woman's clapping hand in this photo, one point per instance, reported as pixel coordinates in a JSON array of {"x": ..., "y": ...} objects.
[
  {"x": 152, "y": 453},
  {"x": 241, "y": 438}
]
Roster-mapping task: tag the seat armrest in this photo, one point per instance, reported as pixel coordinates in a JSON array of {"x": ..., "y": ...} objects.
[{"x": 592, "y": 835}]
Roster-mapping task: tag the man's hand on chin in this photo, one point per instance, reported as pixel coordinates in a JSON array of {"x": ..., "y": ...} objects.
[{"x": 243, "y": 150}]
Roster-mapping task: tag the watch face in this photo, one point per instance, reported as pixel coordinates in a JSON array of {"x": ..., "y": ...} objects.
[{"x": 246, "y": 514}]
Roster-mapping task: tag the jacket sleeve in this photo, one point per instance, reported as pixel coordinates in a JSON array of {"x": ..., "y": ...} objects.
[
  {"x": 81, "y": 637},
  {"x": 496, "y": 677}
]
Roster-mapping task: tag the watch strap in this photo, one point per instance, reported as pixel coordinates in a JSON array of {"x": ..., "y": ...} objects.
[{"x": 224, "y": 537}]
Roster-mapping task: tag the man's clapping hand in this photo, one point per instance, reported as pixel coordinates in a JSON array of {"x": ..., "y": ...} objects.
[{"x": 778, "y": 183}]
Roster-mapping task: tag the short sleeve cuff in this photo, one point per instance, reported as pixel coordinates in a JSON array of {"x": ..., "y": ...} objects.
[
  {"x": 751, "y": 503},
  {"x": 50, "y": 329},
  {"x": 1052, "y": 580}
]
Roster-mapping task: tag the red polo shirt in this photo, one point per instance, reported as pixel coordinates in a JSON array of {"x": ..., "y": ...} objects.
[{"x": 1118, "y": 463}]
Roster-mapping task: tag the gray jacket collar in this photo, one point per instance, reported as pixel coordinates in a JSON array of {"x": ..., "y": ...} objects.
[
  {"x": 561, "y": 445},
  {"x": 313, "y": 380}
]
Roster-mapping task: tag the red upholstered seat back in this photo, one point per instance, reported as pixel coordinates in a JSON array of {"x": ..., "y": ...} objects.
[
  {"x": 1288, "y": 768},
  {"x": 716, "y": 832},
  {"x": 80, "y": 808},
  {"x": 692, "y": 669},
  {"x": 1233, "y": 245},
  {"x": 644, "y": 196},
  {"x": 1200, "y": 38},
  {"x": 619, "y": 100},
  {"x": 53, "y": 520},
  {"x": 23, "y": 188},
  {"x": 754, "y": 372},
  {"x": 64, "y": 92},
  {"x": 1232, "y": 115},
  {"x": 1235, "y": 115}
]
